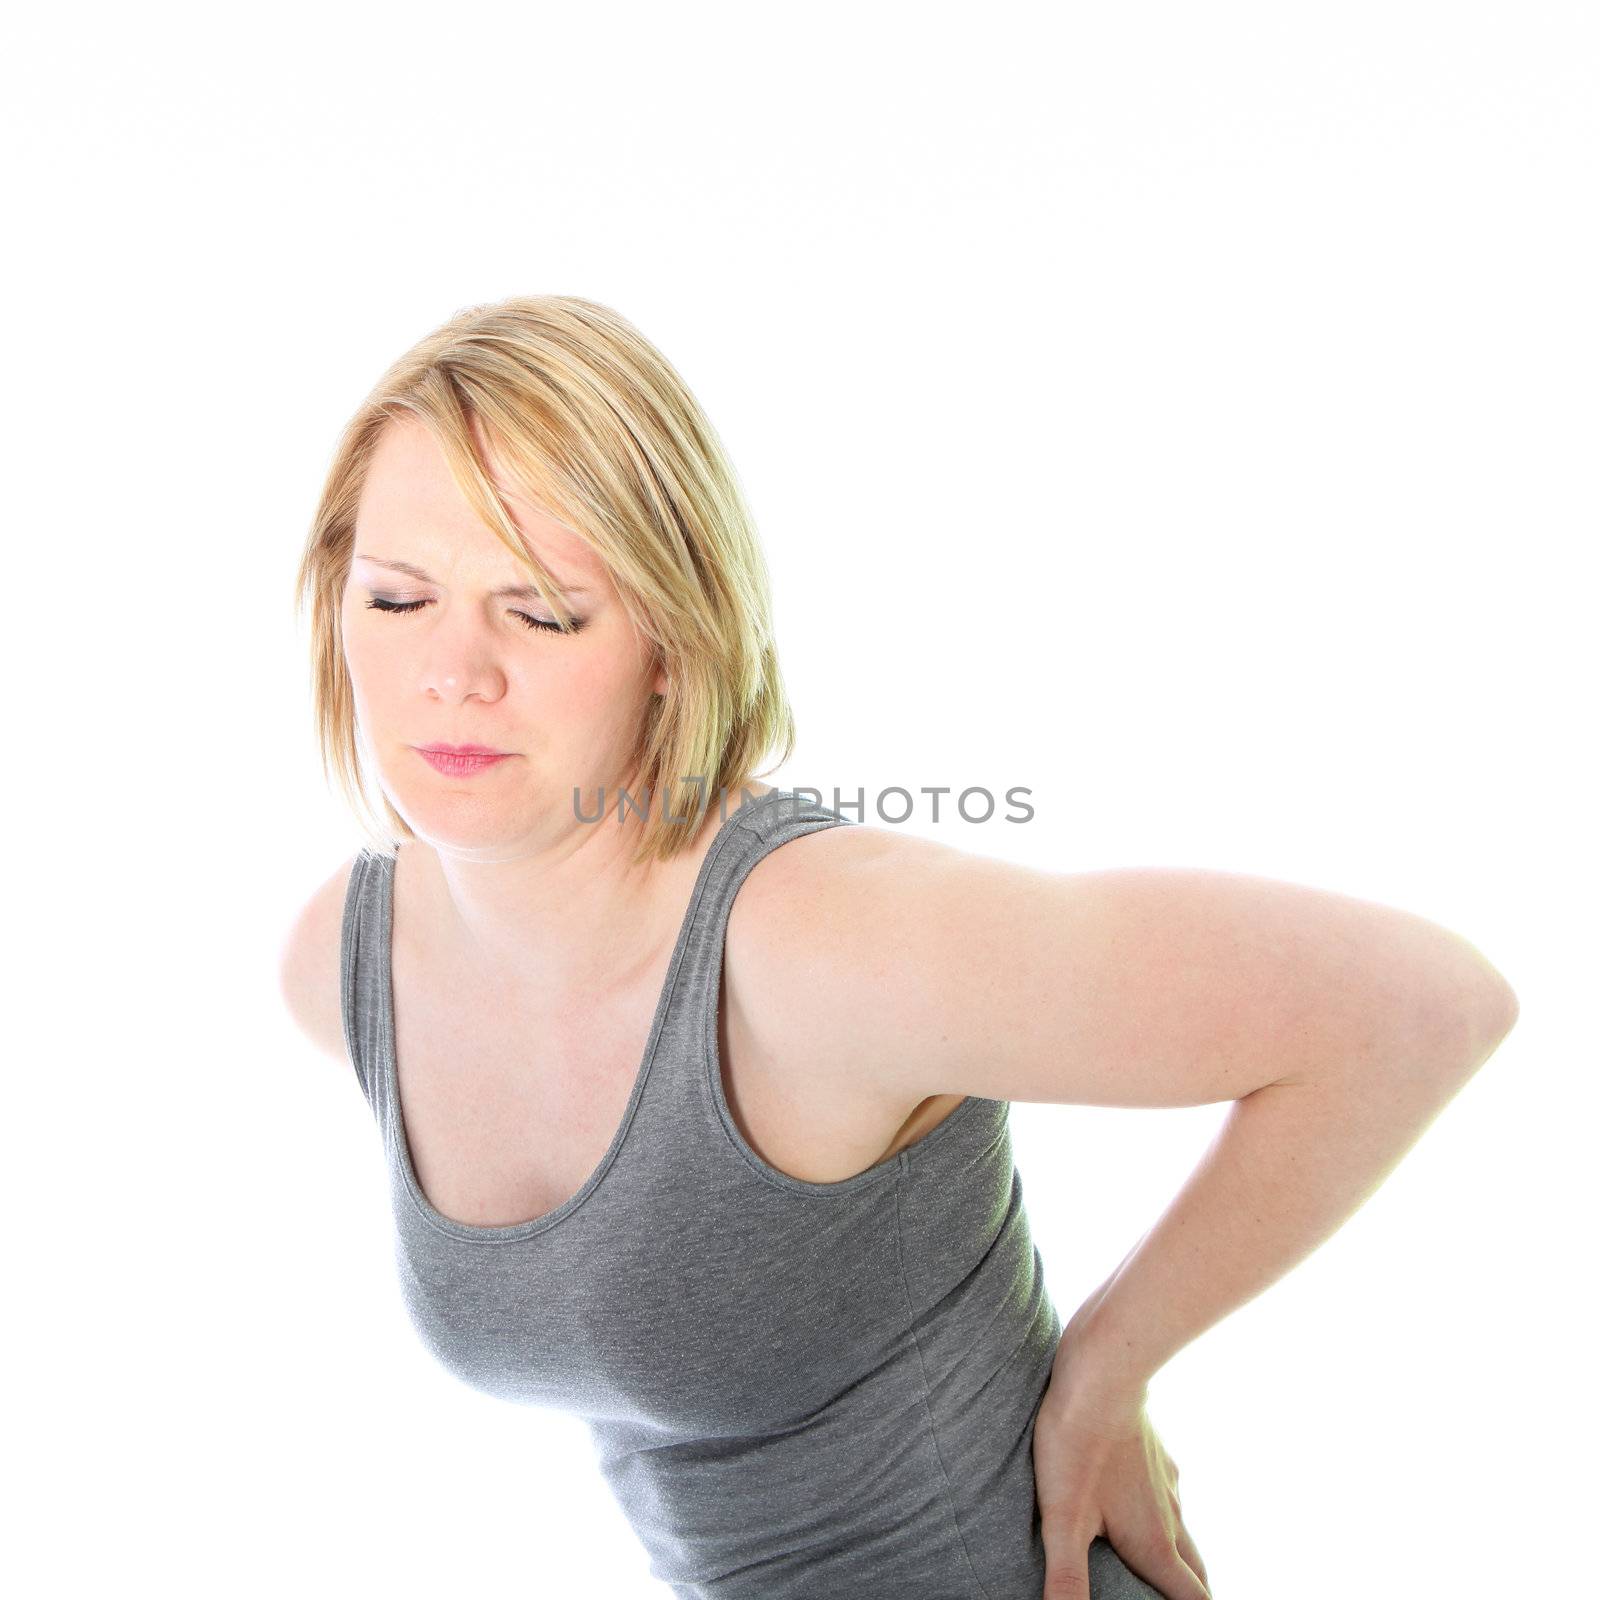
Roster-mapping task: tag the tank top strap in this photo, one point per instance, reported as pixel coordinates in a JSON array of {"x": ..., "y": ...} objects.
[
  {"x": 364, "y": 970},
  {"x": 685, "y": 1034}
]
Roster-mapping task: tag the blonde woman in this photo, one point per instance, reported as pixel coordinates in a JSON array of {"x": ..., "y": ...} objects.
[{"x": 694, "y": 1091}]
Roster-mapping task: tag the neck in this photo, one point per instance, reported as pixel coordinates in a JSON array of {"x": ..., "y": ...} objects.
[{"x": 567, "y": 912}]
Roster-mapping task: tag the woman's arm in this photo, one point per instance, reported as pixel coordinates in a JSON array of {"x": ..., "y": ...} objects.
[
  {"x": 1291, "y": 1163},
  {"x": 1338, "y": 1027}
]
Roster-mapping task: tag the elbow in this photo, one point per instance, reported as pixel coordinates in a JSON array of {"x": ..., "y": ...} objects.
[
  {"x": 1484, "y": 1014},
  {"x": 1507, "y": 1008},
  {"x": 1512, "y": 1006},
  {"x": 1499, "y": 1000},
  {"x": 1477, "y": 1007}
]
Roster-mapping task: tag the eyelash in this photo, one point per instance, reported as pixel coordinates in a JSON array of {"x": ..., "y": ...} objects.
[{"x": 398, "y": 606}]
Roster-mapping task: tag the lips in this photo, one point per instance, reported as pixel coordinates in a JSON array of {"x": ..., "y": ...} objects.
[{"x": 461, "y": 760}]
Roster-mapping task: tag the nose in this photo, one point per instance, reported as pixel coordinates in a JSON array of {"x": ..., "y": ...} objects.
[
  {"x": 458, "y": 687},
  {"x": 457, "y": 655},
  {"x": 456, "y": 671}
]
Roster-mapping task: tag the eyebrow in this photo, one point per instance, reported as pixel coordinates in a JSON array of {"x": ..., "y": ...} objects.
[{"x": 510, "y": 591}]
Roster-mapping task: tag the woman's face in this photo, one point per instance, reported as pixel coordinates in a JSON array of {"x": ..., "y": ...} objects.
[{"x": 463, "y": 664}]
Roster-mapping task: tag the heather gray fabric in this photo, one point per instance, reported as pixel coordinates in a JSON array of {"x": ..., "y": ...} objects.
[{"x": 795, "y": 1390}]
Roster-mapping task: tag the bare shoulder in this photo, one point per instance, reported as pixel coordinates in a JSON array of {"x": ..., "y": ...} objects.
[
  {"x": 799, "y": 892},
  {"x": 801, "y": 931},
  {"x": 308, "y": 963}
]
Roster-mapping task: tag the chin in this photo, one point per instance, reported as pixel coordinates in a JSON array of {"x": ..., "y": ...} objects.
[{"x": 467, "y": 823}]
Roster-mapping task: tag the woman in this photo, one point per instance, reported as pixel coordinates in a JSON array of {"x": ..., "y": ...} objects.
[{"x": 695, "y": 1091}]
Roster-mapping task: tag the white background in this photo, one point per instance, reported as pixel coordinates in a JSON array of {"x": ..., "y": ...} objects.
[{"x": 1187, "y": 412}]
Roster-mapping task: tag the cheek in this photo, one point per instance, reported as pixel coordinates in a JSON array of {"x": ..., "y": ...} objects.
[
  {"x": 602, "y": 696},
  {"x": 375, "y": 663},
  {"x": 595, "y": 699},
  {"x": 358, "y": 655},
  {"x": 375, "y": 637}
]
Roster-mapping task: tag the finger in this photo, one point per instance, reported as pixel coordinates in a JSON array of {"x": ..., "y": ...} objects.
[
  {"x": 1067, "y": 1579},
  {"x": 1178, "y": 1580},
  {"x": 1187, "y": 1549},
  {"x": 1186, "y": 1584},
  {"x": 1169, "y": 1575},
  {"x": 1066, "y": 1562}
]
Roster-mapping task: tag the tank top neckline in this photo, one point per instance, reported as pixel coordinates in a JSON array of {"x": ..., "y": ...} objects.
[{"x": 510, "y": 1231}]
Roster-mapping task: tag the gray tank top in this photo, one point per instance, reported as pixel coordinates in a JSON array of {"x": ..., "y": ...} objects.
[{"x": 795, "y": 1390}]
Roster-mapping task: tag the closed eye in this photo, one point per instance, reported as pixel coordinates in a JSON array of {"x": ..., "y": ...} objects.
[{"x": 377, "y": 603}]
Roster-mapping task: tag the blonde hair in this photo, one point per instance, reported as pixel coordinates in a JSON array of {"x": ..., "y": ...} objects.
[{"x": 593, "y": 423}]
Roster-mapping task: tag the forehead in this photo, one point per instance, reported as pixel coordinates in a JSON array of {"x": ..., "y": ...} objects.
[{"x": 410, "y": 499}]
